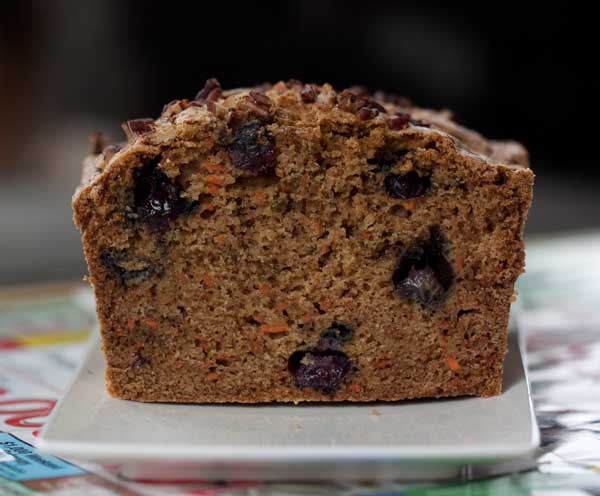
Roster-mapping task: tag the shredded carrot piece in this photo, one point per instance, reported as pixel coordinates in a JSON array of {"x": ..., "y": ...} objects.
[
  {"x": 444, "y": 324},
  {"x": 409, "y": 205},
  {"x": 207, "y": 280},
  {"x": 211, "y": 207},
  {"x": 212, "y": 188},
  {"x": 326, "y": 304},
  {"x": 215, "y": 179},
  {"x": 152, "y": 324},
  {"x": 259, "y": 195},
  {"x": 459, "y": 263},
  {"x": 220, "y": 238},
  {"x": 275, "y": 328},
  {"x": 356, "y": 388},
  {"x": 130, "y": 323},
  {"x": 212, "y": 376},
  {"x": 325, "y": 248},
  {"x": 306, "y": 318},
  {"x": 264, "y": 289},
  {"x": 214, "y": 168},
  {"x": 281, "y": 306},
  {"x": 452, "y": 363},
  {"x": 365, "y": 235}
]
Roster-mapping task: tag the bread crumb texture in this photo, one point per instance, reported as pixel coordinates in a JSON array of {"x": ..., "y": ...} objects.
[{"x": 292, "y": 243}]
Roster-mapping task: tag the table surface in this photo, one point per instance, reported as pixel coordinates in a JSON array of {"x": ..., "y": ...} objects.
[{"x": 43, "y": 331}]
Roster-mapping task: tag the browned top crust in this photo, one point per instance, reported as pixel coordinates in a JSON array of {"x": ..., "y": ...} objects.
[
  {"x": 185, "y": 123},
  {"x": 298, "y": 104}
]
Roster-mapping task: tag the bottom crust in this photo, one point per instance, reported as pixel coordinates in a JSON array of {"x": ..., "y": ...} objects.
[{"x": 121, "y": 387}]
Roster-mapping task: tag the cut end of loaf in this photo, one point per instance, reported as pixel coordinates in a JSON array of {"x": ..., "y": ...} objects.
[{"x": 293, "y": 243}]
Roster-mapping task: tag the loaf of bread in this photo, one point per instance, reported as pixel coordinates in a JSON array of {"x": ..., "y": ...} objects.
[{"x": 292, "y": 243}]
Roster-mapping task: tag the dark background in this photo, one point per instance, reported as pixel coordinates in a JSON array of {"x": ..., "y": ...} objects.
[{"x": 68, "y": 68}]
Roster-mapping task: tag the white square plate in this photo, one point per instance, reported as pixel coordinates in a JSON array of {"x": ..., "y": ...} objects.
[{"x": 426, "y": 439}]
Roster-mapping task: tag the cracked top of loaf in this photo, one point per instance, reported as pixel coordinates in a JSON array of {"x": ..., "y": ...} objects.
[{"x": 292, "y": 103}]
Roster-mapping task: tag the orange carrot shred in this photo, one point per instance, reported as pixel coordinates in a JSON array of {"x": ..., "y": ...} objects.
[
  {"x": 281, "y": 306},
  {"x": 152, "y": 324},
  {"x": 409, "y": 205},
  {"x": 356, "y": 388},
  {"x": 207, "y": 280},
  {"x": 326, "y": 304},
  {"x": 264, "y": 289},
  {"x": 215, "y": 179},
  {"x": 275, "y": 328},
  {"x": 212, "y": 188},
  {"x": 130, "y": 323},
  {"x": 452, "y": 363}
]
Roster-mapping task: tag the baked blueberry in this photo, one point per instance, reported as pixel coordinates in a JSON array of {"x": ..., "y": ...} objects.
[
  {"x": 156, "y": 196},
  {"x": 421, "y": 285},
  {"x": 424, "y": 274},
  {"x": 406, "y": 186},
  {"x": 321, "y": 370},
  {"x": 252, "y": 149}
]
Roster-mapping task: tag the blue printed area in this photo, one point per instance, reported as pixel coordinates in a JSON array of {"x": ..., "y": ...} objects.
[{"x": 21, "y": 462}]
